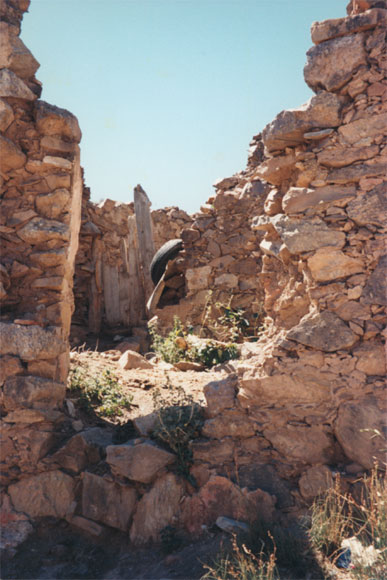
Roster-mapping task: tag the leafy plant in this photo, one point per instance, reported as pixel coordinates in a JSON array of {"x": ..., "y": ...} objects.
[
  {"x": 101, "y": 394},
  {"x": 180, "y": 420},
  {"x": 224, "y": 322},
  {"x": 176, "y": 347}
]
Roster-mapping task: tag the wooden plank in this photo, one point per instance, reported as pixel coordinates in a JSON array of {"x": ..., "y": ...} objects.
[
  {"x": 135, "y": 285},
  {"x": 146, "y": 249},
  {"x": 111, "y": 294},
  {"x": 95, "y": 291}
]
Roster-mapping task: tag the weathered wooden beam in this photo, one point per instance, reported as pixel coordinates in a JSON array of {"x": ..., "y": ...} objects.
[{"x": 146, "y": 247}]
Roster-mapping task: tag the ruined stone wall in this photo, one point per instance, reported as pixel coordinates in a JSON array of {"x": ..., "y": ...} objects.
[
  {"x": 41, "y": 190},
  {"x": 308, "y": 393},
  {"x": 297, "y": 409},
  {"x": 107, "y": 237}
]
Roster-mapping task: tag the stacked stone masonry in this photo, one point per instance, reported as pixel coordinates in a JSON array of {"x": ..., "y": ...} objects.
[{"x": 301, "y": 230}]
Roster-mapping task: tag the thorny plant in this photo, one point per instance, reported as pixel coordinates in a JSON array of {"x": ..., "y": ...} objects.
[
  {"x": 176, "y": 347},
  {"x": 224, "y": 322},
  {"x": 243, "y": 564},
  {"x": 180, "y": 419},
  {"x": 101, "y": 394},
  {"x": 337, "y": 516}
]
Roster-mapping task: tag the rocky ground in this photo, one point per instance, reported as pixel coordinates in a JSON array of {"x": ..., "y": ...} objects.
[{"x": 58, "y": 550}]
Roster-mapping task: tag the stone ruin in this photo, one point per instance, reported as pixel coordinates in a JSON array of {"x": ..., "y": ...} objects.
[{"x": 301, "y": 231}]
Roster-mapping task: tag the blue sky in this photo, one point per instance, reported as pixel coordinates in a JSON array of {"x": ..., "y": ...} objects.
[{"x": 168, "y": 93}]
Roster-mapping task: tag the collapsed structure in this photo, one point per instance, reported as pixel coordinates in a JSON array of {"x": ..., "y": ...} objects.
[{"x": 301, "y": 230}]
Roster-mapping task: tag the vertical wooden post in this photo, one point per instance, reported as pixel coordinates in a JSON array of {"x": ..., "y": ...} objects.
[
  {"x": 145, "y": 237},
  {"x": 96, "y": 291},
  {"x": 136, "y": 290}
]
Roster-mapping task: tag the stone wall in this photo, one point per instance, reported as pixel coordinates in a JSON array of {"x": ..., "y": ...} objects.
[
  {"x": 108, "y": 250},
  {"x": 299, "y": 406},
  {"x": 309, "y": 394},
  {"x": 41, "y": 191}
]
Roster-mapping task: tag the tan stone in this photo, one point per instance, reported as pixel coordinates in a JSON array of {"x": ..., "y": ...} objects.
[
  {"x": 329, "y": 264},
  {"x": 51, "y": 120},
  {"x": 315, "y": 481},
  {"x": 58, "y": 181},
  {"x": 342, "y": 156},
  {"x": 46, "y": 494},
  {"x": 107, "y": 502},
  {"x": 30, "y": 342},
  {"x": 11, "y": 157},
  {"x": 375, "y": 291},
  {"x": 134, "y": 360},
  {"x": 197, "y": 278},
  {"x": 55, "y": 145},
  {"x": 156, "y": 509},
  {"x": 32, "y": 392},
  {"x": 371, "y": 358},
  {"x": 362, "y": 130},
  {"x": 53, "y": 204},
  {"x": 231, "y": 423},
  {"x": 288, "y": 128},
  {"x": 82, "y": 450},
  {"x": 369, "y": 208},
  {"x": 220, "y": 395},
  {"x": 358, "y": 429},
  {"x": 306, "y": 387},
  {"x": 139, "y": 462},
  {"x": 304, "y": 443},
  {"x": 277, "y": 169},
  {"x": 14, "y": 55},
  {"x": 49, "y": 259},
  {"x": 42, "y": 368},
  {"x": 324, "y": 331},
  {"x": 55, "y": 283},
  {"x": 299, "y": 199},
  {"x": 354, "y": 173},
  {"x": 331, "y": 64},
  {"x": 6, "y": 115},
  {"x": 12, "y": 86},
  {"x": 86, "y": 525},
  {"x": 40, "y": 230},
  {"x": 302, "y": 235},
  {"x": 227, "y": 280},
  {"x": 9, "y": 366},
  {"x": 214, "y": 452},
  {"x": 328, "y": 29}
]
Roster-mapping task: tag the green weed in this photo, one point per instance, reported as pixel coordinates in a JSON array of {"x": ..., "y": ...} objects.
[
  {"x": 101, "y": 394},
  {"x": 176, "y": 347},
  {"x": 180, "y": 420}
]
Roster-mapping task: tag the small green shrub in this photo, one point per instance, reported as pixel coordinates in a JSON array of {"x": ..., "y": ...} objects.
[
  {"x": 176, "y": 347},
  {"x": 180, "y": 420},
  {"x": 224, "y": 322},
  {"x": 100, "y": 394}
]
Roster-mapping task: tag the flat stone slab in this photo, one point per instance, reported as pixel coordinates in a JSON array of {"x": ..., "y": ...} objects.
[
  {"x": 30, "y": 342},
  {"x": 324, "y": 331},
  {"x": 139, "y": 462}
]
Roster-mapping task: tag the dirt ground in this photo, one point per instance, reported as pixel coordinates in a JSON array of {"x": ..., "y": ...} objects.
[
  {"x": 141, "y": 384},
  {"x": 56, "y": 550}
]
